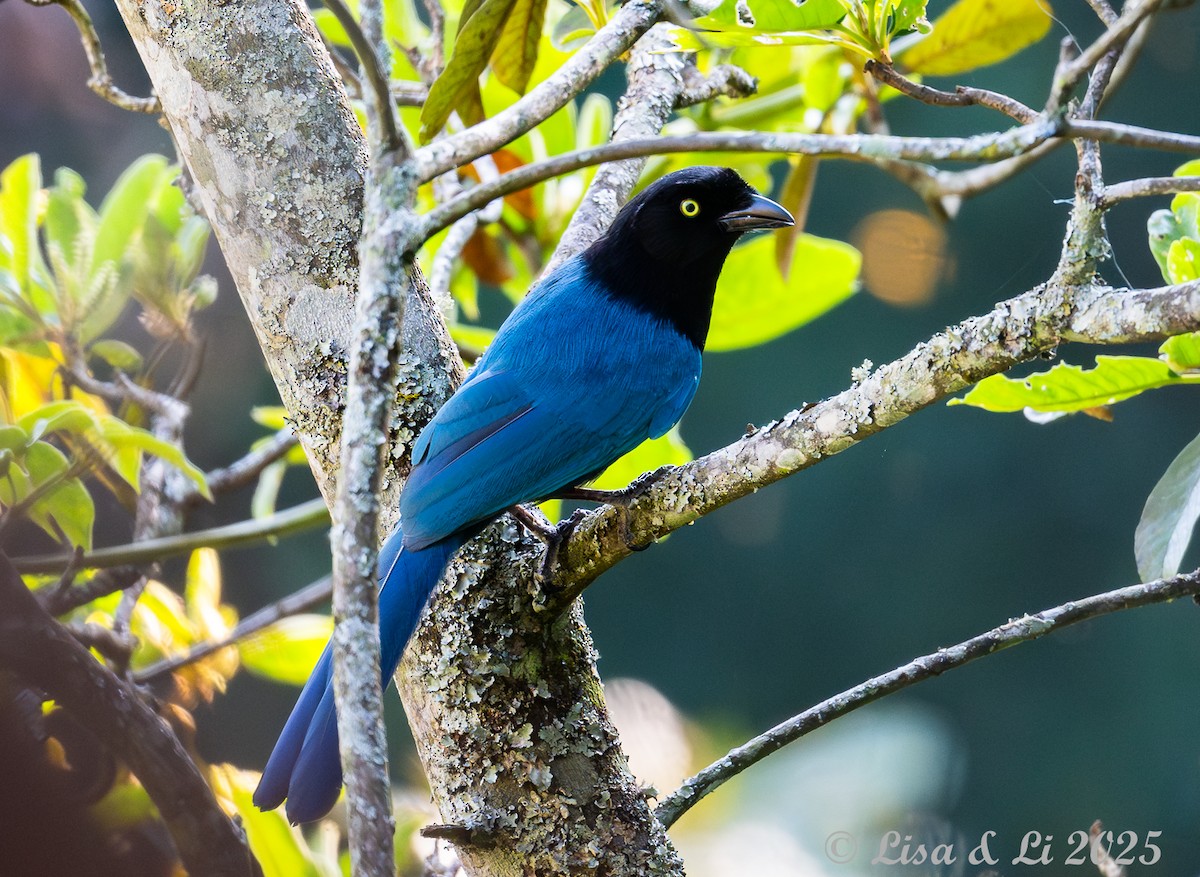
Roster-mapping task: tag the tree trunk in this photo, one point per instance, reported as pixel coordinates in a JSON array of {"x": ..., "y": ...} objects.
[{"x": 504, "y": 699}]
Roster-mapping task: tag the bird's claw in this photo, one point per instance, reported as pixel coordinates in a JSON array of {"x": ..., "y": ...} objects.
[{"x": 552, "y": 535}]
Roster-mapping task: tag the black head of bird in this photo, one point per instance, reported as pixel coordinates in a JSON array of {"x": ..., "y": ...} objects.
[{"x": 665, "y": 250}]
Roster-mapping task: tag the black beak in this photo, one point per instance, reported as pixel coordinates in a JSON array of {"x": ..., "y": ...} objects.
[{"x": 761, "y": 213}]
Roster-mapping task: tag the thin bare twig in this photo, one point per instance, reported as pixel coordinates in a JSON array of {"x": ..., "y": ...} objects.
[
  {"x": 294, "y": 520},
  {"x": 854, "y": 147},
  {"x": 100, "y": 81},
  {"x": 1020, "y": 630},
  {"x": 390, "y": 134},
  {"x": 1147, "y": 187},
  {"x": 1068, "y": 74},
  {"x": 306, "y": 598},
  {"x": 241, "y": 472},
  {"x": 963, "y": 97}
]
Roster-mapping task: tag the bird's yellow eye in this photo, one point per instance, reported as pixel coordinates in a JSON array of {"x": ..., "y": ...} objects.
[{"x": 688, "y": 207}]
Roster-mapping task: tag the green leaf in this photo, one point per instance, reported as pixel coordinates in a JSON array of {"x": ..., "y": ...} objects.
[
  {"x": 1183, "y": 260},
  {"x": 121, "y": 436},
  {"x": 69, "y": 504},
  {"x": 517, "y": 49},
  {"x": 266, "y": 492},
  {"x": 1181, "y": 352},
  {"x": 1169, "y": 517},
  {"x": 278, "y": 847},
  {"x": 20, "y": 257},
  {"x": 288, "y": 649},
  {"x": 125, "y": 207},
  {"x": 476, "y": 40},
  {"x": 271, "y": 416},
  {"x": 66, "y": 415},
  {"x": 70, "y": 223},
  {"x": 1163, "y": 229},
  {"x": 756, "y": 304},
  {"x": 975, "y": 33},
  {"x": 908, "y": 16},
  {"x": 667, "y": 450},
  {"x": 13, "y": 438},
  {"x": 118, "y": 354},
  {"x": 772, "y": 16},
  {"x": 1071, "y": 388}
]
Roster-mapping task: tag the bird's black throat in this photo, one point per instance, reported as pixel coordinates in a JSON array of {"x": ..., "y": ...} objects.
[{"x": 679, "y": 293}]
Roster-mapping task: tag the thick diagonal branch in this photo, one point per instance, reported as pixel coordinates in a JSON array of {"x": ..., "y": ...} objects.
[
  {"x": 44, "y": 654},
  {"x": 1016, "y": 330}
]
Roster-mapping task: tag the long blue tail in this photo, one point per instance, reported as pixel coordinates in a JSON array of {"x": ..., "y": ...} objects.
[{"x": 304, "y": 766}]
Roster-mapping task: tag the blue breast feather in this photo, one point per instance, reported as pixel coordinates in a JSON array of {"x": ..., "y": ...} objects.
[{"x": 577, "y": 378}]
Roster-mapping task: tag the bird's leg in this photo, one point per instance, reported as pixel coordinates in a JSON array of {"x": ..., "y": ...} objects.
[
  {"x": 553, "y": 536},
  {"x": 619, "y": 500}
]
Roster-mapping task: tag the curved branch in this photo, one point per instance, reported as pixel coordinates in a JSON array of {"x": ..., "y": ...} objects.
[
  {"x": 45, "y": 654},
  {"x": 1015, "y": 331},
  {"x": 858, "y": 147},
  {"x": 1020, "y": 630},
  {"x": 100, "y": 81}
]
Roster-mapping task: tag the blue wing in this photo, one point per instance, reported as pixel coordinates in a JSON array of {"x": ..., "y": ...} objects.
[{"x": 574, "y": 380}]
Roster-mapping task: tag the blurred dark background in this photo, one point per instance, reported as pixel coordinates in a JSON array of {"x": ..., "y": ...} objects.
[{"x": 942, "y": 527}]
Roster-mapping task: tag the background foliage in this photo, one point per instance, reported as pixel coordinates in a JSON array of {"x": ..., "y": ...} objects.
[{"x": 936, "y": 530}]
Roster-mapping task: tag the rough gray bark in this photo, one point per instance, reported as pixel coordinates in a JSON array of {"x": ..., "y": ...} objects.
[
  {"x": 260, "y": 118},
  {"x": 500, "y": 685}
]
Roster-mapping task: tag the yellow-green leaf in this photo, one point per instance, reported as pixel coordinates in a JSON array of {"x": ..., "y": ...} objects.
[
  {"x": 976, "y": 33},
  {"x": 1183, "y": 260},
  {"x": 287, "y": 650},
  {"x": 122, "y": 436},
  {"x": 202, "y": 594},
  {"x": 20, "y": 256},
  {"x": 1071, "y": 388},
  {"x": 68, "y": 505},
  {"x": 771, "y": 16},
  {"x": 278, "y": 847},
  {"x": 1181, "y": 352},
  {"x": 517, "y": 49},
  {"x": 756, "y": 304},
  {"x": 476, "y": 40}
]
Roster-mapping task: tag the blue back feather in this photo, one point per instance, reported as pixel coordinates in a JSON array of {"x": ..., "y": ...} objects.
[{"x": 575, "y": 378}]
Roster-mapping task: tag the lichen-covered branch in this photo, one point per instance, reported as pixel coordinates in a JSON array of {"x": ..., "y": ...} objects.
[
  {"x": 1016, "y": 330},
  {"x": 1019, "y": 630}
]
